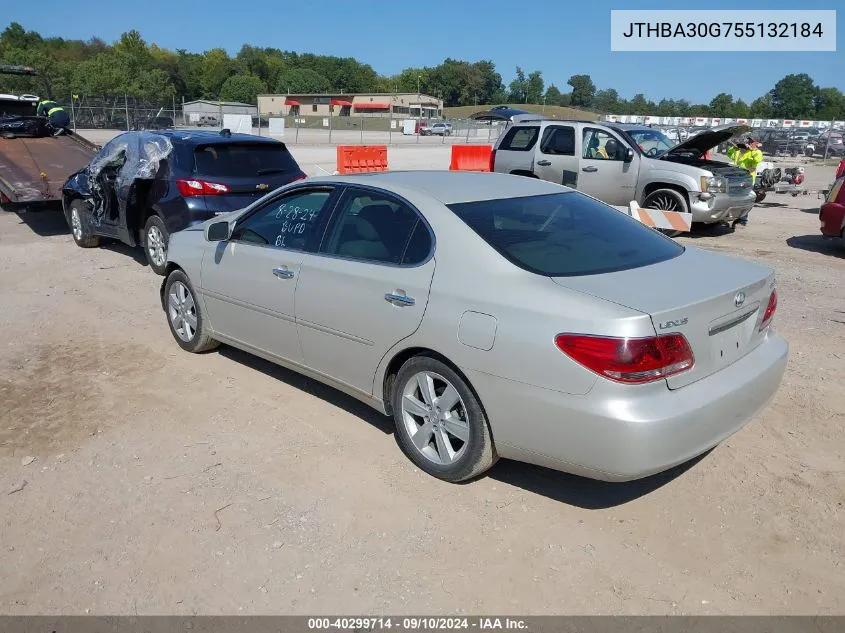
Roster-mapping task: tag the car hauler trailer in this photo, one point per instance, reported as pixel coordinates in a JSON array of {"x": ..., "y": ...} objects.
[{"x": 33, "y": 169}]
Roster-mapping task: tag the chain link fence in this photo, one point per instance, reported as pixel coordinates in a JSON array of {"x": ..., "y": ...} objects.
[
  {"x": 823, "y": 140},
  {"x": 122, "y": 113},
  {"x": 119, "y": 113}
]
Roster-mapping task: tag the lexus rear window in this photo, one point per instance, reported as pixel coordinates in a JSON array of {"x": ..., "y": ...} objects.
[
  {"x": 565, "y": 234},
  {"x": 243, "y": 160}
]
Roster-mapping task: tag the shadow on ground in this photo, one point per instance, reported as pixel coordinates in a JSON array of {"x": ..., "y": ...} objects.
[
  {"x": 135, "y": 252},
  {"x": 818, "y": 244},
  {"x": 311, "y": 386},
  {"x": 708, "y": 230},
  {"x": 50, "y": 221},
  {"x": 580, "y": 491},
  {"x": 44, "y": 221},
  {"x": 562, "y": 487}
]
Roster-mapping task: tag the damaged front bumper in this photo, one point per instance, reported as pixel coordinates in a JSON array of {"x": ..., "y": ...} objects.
[{"x": 711, "y": 208}]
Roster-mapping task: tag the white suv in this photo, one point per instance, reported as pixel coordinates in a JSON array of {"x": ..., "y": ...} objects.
[{"x": 438, "y": 129}]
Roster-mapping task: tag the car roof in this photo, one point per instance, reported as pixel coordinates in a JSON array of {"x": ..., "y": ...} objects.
[
  {"x": 451, "y": 187},
  {"x": 550, "y": 120},
  {"x": 208, "y": 137},
  {"x": 631, "y": 127}
]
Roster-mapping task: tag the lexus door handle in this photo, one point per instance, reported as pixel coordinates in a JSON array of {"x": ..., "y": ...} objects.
[
  {"x": 283, "y": 272},
  {"x": 544, "y": 163},
  {"x": 399, "y": 300},
  {"x": 590, "y": 169}
]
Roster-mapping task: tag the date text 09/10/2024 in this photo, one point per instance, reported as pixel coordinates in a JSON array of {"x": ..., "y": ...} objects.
[{"x": 416, "y": 623}]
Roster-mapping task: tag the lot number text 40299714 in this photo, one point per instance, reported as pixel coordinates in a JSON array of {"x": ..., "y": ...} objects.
[{"x": 425, "y": 623}]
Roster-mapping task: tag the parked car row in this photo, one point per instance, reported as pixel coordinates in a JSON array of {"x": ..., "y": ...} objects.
[
  {"x": 489, "y": 315},
  {"x": 776, "y": 142}
]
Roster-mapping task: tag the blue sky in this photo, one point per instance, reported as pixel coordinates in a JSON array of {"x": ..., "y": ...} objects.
[{"x": 568, "y": 38}]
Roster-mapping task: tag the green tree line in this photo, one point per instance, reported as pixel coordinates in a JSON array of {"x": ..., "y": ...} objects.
[{"x": 146, "y": 71}]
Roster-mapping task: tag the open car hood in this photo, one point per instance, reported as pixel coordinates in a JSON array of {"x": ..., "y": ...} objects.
[{"x": 708, "y": 139}]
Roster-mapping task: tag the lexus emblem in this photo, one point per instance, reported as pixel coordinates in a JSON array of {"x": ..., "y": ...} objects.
[
  {"x": 262, "y": 186},
  {"x": 739, "y": 299}
]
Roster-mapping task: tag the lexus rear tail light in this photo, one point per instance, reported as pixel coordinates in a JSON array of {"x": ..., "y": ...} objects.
[
  {"x": 629, "y": 360},
  {"x": 189, "y": 188},
  {"x": 769, "y": 314},
  {"x": 492, "y": 160}
]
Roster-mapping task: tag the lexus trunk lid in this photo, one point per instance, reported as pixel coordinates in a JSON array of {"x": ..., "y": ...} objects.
[{"x": 716, "y": 302}]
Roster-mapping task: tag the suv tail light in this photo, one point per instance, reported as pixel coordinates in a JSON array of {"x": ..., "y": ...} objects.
[
  {"x": 190, "y": 188},
  {"x": 493, "y": 160},
  {"x": 769, "y": 314},
  {"x": 629, "y": 360}
]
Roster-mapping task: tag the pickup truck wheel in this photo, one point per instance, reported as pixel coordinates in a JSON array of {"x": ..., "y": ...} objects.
[
  {"x": 155, "y": 241},
  {"x": 667, "y": 200},
  {"x": 77, "y": 219}
]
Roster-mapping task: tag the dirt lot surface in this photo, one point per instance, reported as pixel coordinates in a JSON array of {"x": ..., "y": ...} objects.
[{"x": 136, "y": 478}]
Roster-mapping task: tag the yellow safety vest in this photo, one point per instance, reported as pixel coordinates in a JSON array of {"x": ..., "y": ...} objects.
[
  {"x": 56, "y": 107},
  {"x": 748, "y": 159}
]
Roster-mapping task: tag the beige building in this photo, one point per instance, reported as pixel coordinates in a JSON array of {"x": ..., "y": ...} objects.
[{"x": 396, "y": 105}]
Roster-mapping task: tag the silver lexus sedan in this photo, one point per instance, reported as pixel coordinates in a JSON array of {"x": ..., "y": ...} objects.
[{"x": 491, "y": 316}]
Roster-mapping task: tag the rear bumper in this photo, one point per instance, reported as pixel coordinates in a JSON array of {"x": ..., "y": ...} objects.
[
  {"x": 720, "y": 207},
  {"x": 619, "y": 432}
]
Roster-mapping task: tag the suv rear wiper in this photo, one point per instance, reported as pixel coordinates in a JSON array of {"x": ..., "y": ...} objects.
[{"x": 271, "y": 170}]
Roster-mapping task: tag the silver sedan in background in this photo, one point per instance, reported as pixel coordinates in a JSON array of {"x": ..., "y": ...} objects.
[{"x": 491, "y": 316}]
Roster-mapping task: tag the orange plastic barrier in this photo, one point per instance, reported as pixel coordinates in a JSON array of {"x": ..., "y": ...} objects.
[
  {"x": 360, "y": 159},
  {"x": 841, "y": 169},
  {"x": 470, "y": 157}
]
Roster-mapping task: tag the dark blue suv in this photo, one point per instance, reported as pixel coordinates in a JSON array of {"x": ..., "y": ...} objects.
[{"x": 143, "y": 186}]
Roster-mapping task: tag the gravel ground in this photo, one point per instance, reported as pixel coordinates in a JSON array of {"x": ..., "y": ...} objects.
[{"x": 136, "y": 478}]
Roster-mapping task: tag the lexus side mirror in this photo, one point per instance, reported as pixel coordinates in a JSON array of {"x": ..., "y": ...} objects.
[
  {"x": 217, "y": 231},
  {"x": 629, "y": 155}
]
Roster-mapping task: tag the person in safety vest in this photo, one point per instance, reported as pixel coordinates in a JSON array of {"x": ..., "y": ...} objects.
[
  {"x": 58, "y": 118},
  {"x": 747, "y": 156}
]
